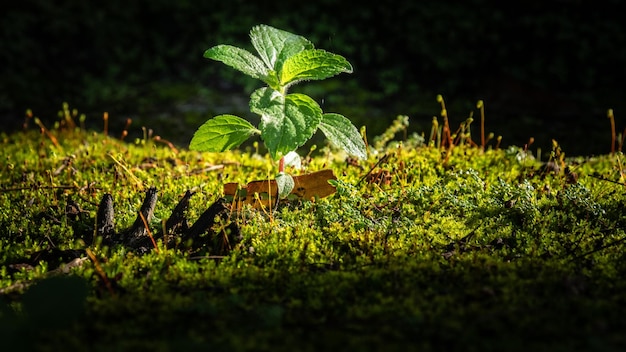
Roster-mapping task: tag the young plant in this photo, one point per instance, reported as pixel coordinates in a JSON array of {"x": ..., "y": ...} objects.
[{"x": 287, "y": 120}]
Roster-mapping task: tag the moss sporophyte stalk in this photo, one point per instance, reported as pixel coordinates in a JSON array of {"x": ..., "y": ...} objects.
[{"x": 288, "y": 120}]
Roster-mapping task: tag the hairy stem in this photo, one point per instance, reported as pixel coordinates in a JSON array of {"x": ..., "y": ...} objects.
[{"x": 281, "y": 165}]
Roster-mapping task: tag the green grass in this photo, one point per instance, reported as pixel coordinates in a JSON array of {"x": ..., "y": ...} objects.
[{"x": 459, "y": 249}]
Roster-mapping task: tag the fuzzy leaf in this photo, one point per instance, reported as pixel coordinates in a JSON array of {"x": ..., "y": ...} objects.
[
  {"x": 285, "y": 184},
  {"x": 287, "y": 122},
  {"x": 343, "y": 134},
  {"x": 221, "y": 133},
  {"x": 313, "y": 64},
  {"x": 293, "y": 159},
  {"x": 275, "y": 45},
  {"x": 242, "y": 60}
]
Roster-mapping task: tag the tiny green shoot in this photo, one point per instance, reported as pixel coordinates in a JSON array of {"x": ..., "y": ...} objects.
[{"x": 287, "y": 121}]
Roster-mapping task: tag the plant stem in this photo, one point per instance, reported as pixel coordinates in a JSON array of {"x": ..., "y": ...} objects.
[
  {"x": 281, "y": 165},
  {"x": 612, "y": 119},
  {"x": 481, "y": 106}
]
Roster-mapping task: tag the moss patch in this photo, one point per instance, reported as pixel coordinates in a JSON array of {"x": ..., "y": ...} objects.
[{"x": 423, "y": 249}]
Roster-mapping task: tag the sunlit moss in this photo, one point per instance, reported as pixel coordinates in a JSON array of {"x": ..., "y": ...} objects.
[{"x": 429, "y": 239}]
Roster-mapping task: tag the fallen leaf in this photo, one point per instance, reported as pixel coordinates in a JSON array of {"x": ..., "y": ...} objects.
[{"x": 308, "y": 186}]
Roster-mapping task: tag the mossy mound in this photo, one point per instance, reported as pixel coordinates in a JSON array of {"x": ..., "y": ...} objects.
[{"x": 420, "y": 248}]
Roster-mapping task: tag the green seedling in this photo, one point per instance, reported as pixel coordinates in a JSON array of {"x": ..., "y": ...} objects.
[{"x": 287, "y": 120}]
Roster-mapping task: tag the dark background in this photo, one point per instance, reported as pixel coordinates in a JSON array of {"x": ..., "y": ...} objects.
[{"x": 545, "y": 69}]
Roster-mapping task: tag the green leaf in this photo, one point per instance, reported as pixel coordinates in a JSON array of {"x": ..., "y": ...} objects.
[
  {"x": 341, "y": 132},
  {"x": 242, "y": 60},
  {"x": 275, "y": 46},
  {"x": 221, "y": 133},
  {"x": 285, "y": 184},
  {"x": 287, "y": 122},
  {"x": 313, "y": 64}
]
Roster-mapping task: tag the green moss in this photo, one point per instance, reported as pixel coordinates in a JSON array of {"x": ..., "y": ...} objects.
[{"x": 487, "y": 249}]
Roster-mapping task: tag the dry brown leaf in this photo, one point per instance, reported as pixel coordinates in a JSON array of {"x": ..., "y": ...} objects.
[{"x": 308, "y": 186}]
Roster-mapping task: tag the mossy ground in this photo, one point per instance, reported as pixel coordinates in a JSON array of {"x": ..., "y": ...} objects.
[{"x": 459, "y": 249}]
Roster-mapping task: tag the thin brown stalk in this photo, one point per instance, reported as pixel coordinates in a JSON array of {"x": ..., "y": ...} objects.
[
  {"x": 105, "y": 117},
  {"x": 481, "y": 107},
  {"x": 145, "y": 224},
  {"x": 166, "y": 142},
  {"x": 612, "y": 119},
  {"x": 45, "y": 131},
  {"x": 100, "y": 272}
]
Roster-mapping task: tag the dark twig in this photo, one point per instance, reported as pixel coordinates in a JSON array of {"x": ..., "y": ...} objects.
[
  {"x": 105, "y": 225},
  {"x": 177, "y": 223}
]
